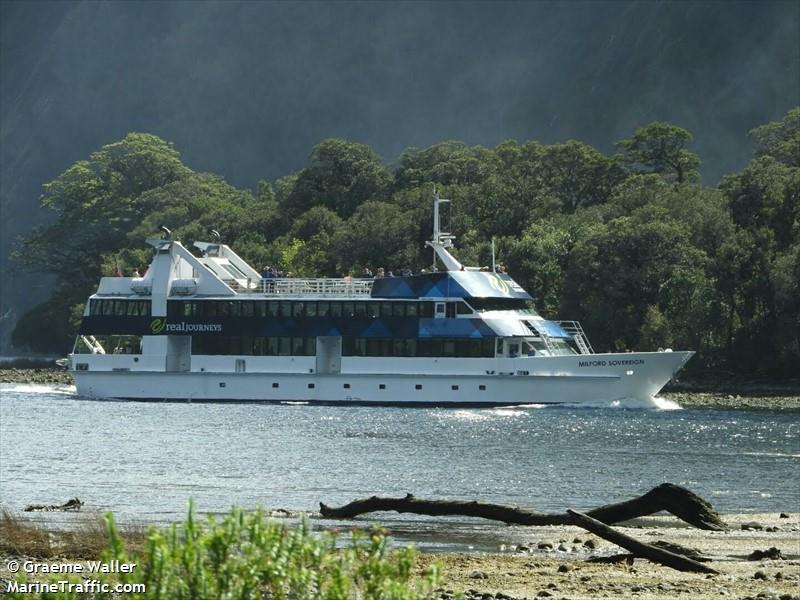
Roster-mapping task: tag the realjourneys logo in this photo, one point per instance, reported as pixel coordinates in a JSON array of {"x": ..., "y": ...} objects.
[{"x": 160, "y": 326}]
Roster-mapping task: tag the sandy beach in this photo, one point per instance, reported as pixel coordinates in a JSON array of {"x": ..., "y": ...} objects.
[
  {"x": 529, "y": 572},
  {"x": 552, "y": 563}
]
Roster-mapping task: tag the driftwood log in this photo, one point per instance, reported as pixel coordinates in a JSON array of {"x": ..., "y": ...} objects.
[
  {"x": 674, "y": 499},
  {"x": 72, "y": 504},
  {"x": 653, "y": 553}
]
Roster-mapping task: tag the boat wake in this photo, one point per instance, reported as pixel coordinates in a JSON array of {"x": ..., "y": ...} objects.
[
  {"x": 38, "y": 388},
  {"x": 666, "y": 404}
]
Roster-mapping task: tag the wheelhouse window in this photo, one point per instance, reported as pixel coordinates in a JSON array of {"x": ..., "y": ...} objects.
[
  {"x": 120, "y": 308},
  {"x": 484, "y": 304}
]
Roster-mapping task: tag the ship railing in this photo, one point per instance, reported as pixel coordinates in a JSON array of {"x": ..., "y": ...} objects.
[
  {"x": 575, "y": 329},
  {"x": 295, "y": 286}
]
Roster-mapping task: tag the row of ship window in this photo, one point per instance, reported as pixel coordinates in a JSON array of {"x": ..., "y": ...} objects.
[
  {"x": 276, "y": 308},
  {"x": 300, "y": 308},
  {"x": 309, "y": 308},
  {"x": 381, "y": 386},
  {"x": 306, "y": 346}
]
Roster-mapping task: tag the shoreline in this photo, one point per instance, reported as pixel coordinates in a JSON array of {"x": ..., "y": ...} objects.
[
  {"x": 552, "y": 562},
  {"x": 531, "y": 573}
]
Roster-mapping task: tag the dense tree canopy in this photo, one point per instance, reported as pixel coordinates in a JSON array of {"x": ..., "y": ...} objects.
[{"x": 633, "y": 244}]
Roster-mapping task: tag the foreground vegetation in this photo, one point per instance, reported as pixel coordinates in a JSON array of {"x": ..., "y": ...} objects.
[
  {"x": 244, "y": 555},
  {"x": 515, "y": 572},
  {"x": 633, "y": 245}
]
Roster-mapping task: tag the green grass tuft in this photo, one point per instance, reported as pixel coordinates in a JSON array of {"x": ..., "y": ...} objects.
[{"x": 247, "y": 555}]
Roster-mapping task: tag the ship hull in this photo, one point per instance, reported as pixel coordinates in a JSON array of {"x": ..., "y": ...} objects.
[{"x": 596, "y": 379}]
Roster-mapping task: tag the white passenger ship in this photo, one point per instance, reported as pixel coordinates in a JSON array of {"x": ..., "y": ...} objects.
[{"x": 209, "y": 328}]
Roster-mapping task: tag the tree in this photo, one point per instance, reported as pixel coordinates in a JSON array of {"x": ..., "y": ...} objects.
[
  {"x": 315, "y": 257},
  {"x": 49, "y": 327},
  {"x": 616, "y": 270},
  {"x": 446, "y": 163},
  {"x": 97, "y": 202},
  {"x": 514, "y": 195},
  {"x": 376, "y": 236},
  {"x": 766, "y": 194},
  {"x": 661, "y": 148},
  {"x": 538, "y": 260},
  {"x": 340, "y": 175},
  {"x": 195, "y": 205},
  {"x": 785, "y": 279},
  {"x": 578, "y": 175},
  {"x": 780, "y": 139}
]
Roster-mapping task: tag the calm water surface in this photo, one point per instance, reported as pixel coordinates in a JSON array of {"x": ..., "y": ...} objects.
[{"x": 145, "y": 460}]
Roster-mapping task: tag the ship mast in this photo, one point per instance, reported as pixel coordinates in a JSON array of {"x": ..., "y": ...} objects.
[{"x": 442, "y": 240}]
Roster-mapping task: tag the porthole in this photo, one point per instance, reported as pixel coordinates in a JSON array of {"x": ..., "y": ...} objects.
[
  {"x": 346, "y": 386},
  {"x": 275, "y": 385},
  {"x": 382, "y": 386},
  {"x": 482, "y": 387},
  {"x": 418, "y": 386},
  {"x": 311, "y": 386},
  {"x": 453, "y": 387}
]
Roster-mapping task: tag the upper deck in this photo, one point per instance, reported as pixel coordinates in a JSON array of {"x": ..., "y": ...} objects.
[
  {"x": 441, "y": 284},
  {"x": 307, "y": 287}
]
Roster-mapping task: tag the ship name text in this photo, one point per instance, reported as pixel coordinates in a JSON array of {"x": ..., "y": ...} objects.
[{"x": 611, "y": 363}]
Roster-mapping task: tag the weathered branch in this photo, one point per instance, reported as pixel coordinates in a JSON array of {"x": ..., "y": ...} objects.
[
  {"x": 683, "y": 503},
  {"x": 677, "y": 500},
  {"x": 664, "y": 557}
]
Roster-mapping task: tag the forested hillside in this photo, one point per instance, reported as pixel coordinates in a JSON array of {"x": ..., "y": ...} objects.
[
  {"x": 245, "y": 89},
  {"x": 631, "y": 244}
]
